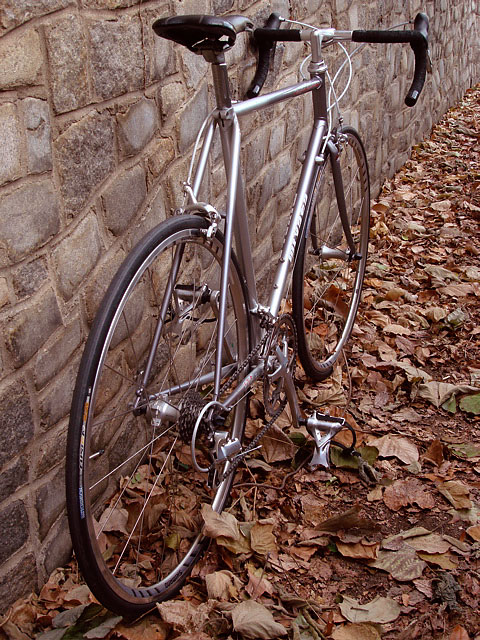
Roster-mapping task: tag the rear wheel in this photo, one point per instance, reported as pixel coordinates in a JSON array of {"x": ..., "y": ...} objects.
[
  {"x": 328, "y": 277},
  {"x": 134, "y": 492}
]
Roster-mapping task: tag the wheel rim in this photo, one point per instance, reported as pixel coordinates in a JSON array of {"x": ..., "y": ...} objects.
[{"x": 141, "y": 498}]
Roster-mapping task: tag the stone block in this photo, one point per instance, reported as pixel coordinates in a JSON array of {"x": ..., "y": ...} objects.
[
  {"x": 51, "y": 451},
  {"x": 4, "y": 292},
  {"x": 16, "y": 421},
  {"x": 56, "y": 398},
  {"x": 137, "y": 126},
  {"x": 283, "y": 172},
  {"x": 222, "y": 6},
  {"x": 76, "y": 255},
  {"x": 123, "y": 199},
  {"x": 36, "y": 117},
  {"x": 51, "y": 359},
  {"x": 163, "y": 154},
  {"x": 266, "y": 189},
  {"x": 13, "y": 529},
  {"x": 99, "y": 282},
  {"x": 50, "y": 502},
  {"x": 29, "y": 277},
  {"x": 116, "y": 56},
  {"x": 191, "y": 118},
  {"x": 20, "y": 581},
  {"x": 16, "y": 12},
  {"x": 22, "y": 60},
  {"x": 85, "y": 156},
  {"x": 161, "y": 58},
  {"x": 110, "y": 4},
  {"x": 172, "y": 97},
  {"x": 154, "y": 214},
  {"x": 277, "y": 138},
  {"x": 29, "y": 216},
  {"x": 58, "y": 546},
  {"x": 13, "y": 478},
  {"x": 255, "y": 154},
  {"x": 194, "y": 67},
  {"x": 23, "y": 338},
  {"x": 10, "y": 143},
  {"x": 68, "y": 58}
]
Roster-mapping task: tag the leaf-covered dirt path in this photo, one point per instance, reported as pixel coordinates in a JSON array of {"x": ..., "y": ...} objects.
[{"x": 309, "y": 555}]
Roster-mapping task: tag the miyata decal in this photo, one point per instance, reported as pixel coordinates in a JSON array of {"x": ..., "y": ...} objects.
[{"x": 291, "y": 249}]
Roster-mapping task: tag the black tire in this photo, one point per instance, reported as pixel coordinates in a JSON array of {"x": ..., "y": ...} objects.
[
  {"x": 326, "y": 290},
  {"x": 134, "y": 498}
]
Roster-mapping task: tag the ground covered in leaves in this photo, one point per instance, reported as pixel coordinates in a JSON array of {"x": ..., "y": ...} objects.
[{"x": 309, "y": 555}]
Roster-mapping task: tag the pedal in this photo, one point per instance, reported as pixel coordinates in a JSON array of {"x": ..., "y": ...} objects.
[{"x": 323, "y": 428}]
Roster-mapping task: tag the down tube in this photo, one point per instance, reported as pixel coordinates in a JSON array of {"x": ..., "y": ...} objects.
[{"x": 289, "y": 245}]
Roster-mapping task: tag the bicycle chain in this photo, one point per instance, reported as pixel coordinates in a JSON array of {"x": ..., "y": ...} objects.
[
  {"x": 266, "y": 383},
  {"x": 239, "y": 457}
]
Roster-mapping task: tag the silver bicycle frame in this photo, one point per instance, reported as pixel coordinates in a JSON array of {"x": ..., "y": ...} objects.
[{"x": 226, "y": 119}]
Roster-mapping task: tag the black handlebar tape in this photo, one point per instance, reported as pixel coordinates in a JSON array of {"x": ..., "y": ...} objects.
[
  {"x": 418, "y": 39},
  {"x": 420, "y": 50},
  {"x": 265, "y": 50}
]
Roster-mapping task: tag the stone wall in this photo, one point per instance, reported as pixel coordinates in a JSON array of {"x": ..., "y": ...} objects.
[{"x": 97, "y": 117}]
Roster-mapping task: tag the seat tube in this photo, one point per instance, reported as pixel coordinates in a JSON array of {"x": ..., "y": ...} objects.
[{"x": 230, "y": 137}]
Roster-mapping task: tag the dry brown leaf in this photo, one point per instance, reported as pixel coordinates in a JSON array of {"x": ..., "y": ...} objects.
[
  {"x": 146, "y": 629},
  {"x": 252, "y": 620},
  {"x": 395, "y": 447},
  {"x": 362, "y": 631},
  {"x": 457, "y": 290},
  {"x": 277, "y": 446},
  {"x": 474, "y": 532},
  {"x": 456, "y": 493},
  {"x": 431, "y": 543},
  {"x": 185, "y": 616},
  {"x": 262, "y": 539},
  {"x": 397, "y": 330},
  {"x": 362, "y": 550},
  {"x": 222, "y": 585},
  {"x": 113, "y": 520},
  {"x": 381, "y": 610},
  {"x": 414, "y": 374},
  {"x": 258, "y": 584},
  {"x": 459, "y": 633},
  {"x": 219, "y": 524},
  {"x": 439, "y": 392},
  {"x": 444, "y": 560},
  {"x": 403, "y": 565},
  {"x": 404, "y": 492},
  {"x": 434, "y": 453},
  {"x": 425, "y": 587},
  {"x": 193, "y": 636},
  {"x": 304, "y": 552},
  {"x": 346, "y": 520}
]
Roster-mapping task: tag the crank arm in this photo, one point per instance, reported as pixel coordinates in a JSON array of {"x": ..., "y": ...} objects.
[{"x": 292, "y": 399}]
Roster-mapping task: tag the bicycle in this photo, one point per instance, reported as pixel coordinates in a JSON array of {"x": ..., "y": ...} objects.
[{"x": 160, "y": 404}]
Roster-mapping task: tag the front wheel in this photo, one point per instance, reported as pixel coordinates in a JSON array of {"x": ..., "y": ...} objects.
[
  {"x": 328, "y": 276},
  {"x": 134, "y": 490}
]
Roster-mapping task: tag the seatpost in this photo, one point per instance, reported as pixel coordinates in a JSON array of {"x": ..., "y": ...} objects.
[{"x": 220, "y": 78}]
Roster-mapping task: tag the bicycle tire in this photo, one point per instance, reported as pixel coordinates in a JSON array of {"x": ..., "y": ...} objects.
[
  {"x": 134, "y": 499},
  {"x": 326, "y": 290}
]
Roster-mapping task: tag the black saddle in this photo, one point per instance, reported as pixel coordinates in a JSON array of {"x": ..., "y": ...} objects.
[{"x": 202, "y": 33}]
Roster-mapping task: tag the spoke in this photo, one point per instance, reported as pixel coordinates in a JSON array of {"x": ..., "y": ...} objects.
[
  {"x": 131, "y": 457},
  {"x": 144, "y": 507}
]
